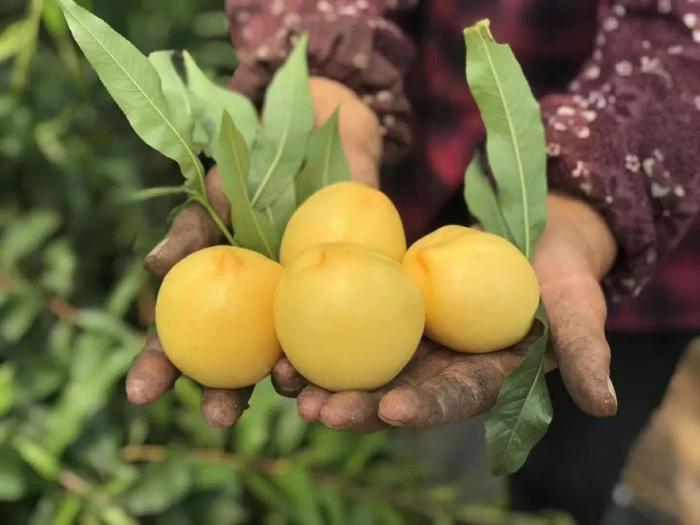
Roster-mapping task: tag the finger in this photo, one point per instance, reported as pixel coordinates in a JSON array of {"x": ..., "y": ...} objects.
[
  {"x": 356, "y": 411},
  {"x": 359, "y": 410},
  {"x": 577, "y": 318},
  {"x": 222, "y": 408},
  {"x": 151, "y": 375},
  {"x": 191, "y": 230},
  {"x": 286, "y": 380},
  {"x": 468, "y": 387},
  {"x": 310, "y": 402}
]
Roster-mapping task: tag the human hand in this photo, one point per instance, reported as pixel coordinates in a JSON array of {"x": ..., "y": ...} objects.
[
  {"x": 152, "y": 374},
  {"x": 440, "y": 386}
]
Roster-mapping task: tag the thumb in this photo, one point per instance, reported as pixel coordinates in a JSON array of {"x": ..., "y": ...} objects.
[
  {"x": 191, "y": 230},
  {"x": 576, "y": 309}
]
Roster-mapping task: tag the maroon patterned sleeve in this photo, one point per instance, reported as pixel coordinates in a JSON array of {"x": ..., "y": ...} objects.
[
  {"x": 627, "y": 136},
  {"x": 351, "y": 41}
]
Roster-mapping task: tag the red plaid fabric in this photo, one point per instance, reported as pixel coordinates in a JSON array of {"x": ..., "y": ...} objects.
[{"x": 620, "y": 88}]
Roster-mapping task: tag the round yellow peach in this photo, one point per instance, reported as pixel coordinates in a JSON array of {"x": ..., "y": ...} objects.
[
  {"x": 345, "y": 212},
  {"x": 214, "y": 316},
  {"x": 348, "y": 317},
  {"x": 480, "y": 292}
]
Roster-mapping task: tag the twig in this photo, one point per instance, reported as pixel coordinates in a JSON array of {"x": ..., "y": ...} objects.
[
  {"x": 61, "y": 308},
  {"x": 72, "y": 482},
  {"x": 272, "y": 466}
]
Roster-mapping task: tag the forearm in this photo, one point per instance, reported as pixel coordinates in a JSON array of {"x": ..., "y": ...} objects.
[
  {"x": 584, "y": 230},
  {"x": 625, "y": 138}
]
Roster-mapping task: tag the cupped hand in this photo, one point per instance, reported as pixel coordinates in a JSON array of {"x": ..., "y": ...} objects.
[
  {"x": 152, "y": 374},
  {"x": 441, "y": 386}
]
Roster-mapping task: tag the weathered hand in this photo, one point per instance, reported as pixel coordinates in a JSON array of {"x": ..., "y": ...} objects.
[
  {"x": 152, "y": 374},
  {"x": 441, "y": 386}
]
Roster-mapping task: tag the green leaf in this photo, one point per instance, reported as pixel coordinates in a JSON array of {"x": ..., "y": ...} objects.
[
  {"x": 160, "y": 486},
  {"x": 482, "y": 200},
  {"x": 40, "y": 459},
  {"x": 13, "y": 478},
  {"x": 255, "y": 428},
  {"x": 288, "y": 118},
  {"x": 290, "y": 429},
  {"x": 53, "y": 19},
  {"x": 172, "y": 85},
  {"x": 14, "y": 38},
  {"x": 68, "y": 510},
  {"x": 251, "y": 229},
  {"x": 515, "y": 140},
  {"x": 60, "y": 263},
  {"x": 116, "y": 516},
  {"x": 225, "y": 511},
  {"x": 7, "y": 387},
  {"x": 104, "y": 323},
  {"x": 363, "y": 513},
  {"x": 55, "y": 24},
  {"x": 26, "y": 235},
  {"x": 325, "y": 160},
  {"x": 265, "y": 491},
  {"x": 95, "y": 370},
  {"x": 367, "y": 448},
  {"x": 334, "y": 506},
  {"x": 17, "y": 322},
  {"x": 299, "y": 488},
  {"x": 523, "y": 411},
  {"x": 276, "y": 215},
  {"x": 390, "y": 515},
  {"x": 209, "y": 101},
  {"x": 187, "y": 392},
  {"x": 135, "y": 86},
  {"x": 126, "y": 290},
  {"x": 209, "y": 476}
]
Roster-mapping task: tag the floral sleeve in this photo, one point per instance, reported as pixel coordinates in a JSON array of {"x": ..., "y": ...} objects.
[
  {"x": 352, "y": 41},
  {"x": 626, "y": 138}
]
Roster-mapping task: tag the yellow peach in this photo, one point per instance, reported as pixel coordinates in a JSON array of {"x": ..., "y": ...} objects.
[
  {"x": 348, "y": 317},
  {"x": 214, "y": 316},
  {"x": 480, "y": 292},
  {"x": 345, "y": 212}
]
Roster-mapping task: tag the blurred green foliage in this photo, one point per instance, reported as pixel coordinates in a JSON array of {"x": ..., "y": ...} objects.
[{"x": 75, "y": 304}]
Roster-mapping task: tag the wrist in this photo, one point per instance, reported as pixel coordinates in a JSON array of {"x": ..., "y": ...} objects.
[{"x": 574, "y": 226}]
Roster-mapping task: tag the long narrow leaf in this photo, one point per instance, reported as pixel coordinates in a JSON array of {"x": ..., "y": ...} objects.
[
  {"x": 134, "y": 84},
  {"x": 210, "y": 100},
  {"x": 172, "y": 85},
  {"x": 14, "y": 38},
  {"x": 482, "y": 200},
  {"x": 288, "y": 117},
  {"x": 325, "y": 160},
  {"x": 232, "y": 158},
  {"x": 523, "y": 411},
  {"x": 276, "y": 214},
  {"x": 514, "y": 133}
]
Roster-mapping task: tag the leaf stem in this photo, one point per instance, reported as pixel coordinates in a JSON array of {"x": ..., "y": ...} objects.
[{"x": 202, "y": 199}]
